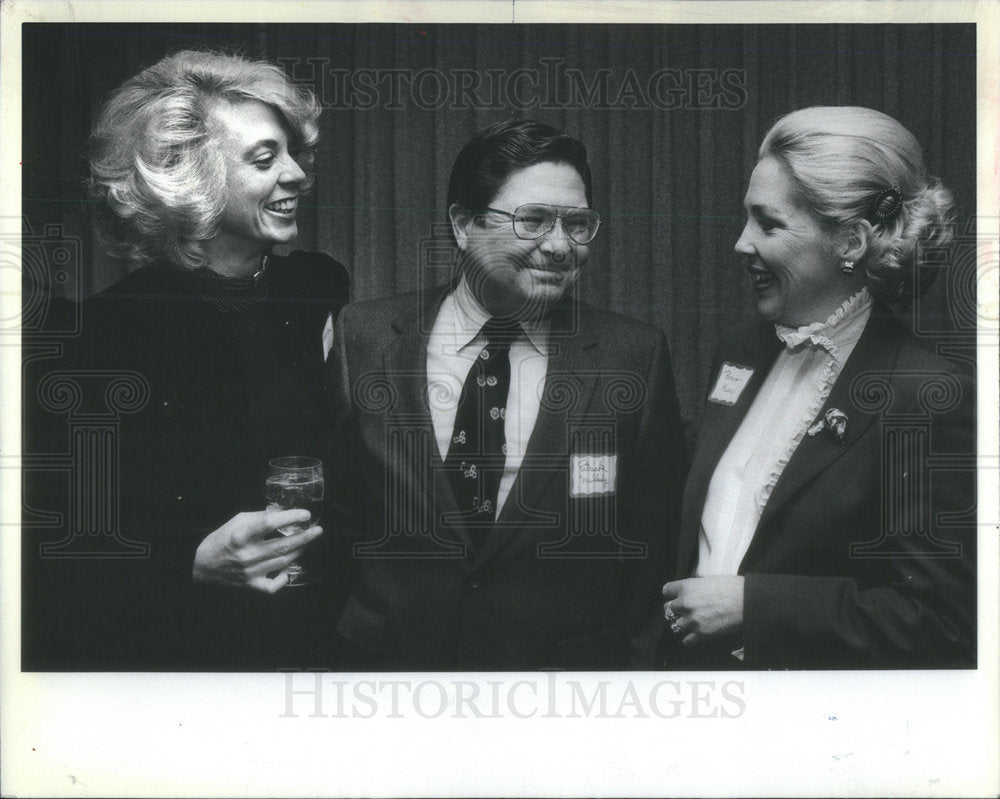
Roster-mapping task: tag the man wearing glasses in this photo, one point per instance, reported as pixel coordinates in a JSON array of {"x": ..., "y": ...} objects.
[{"x": 508, "y": 460}]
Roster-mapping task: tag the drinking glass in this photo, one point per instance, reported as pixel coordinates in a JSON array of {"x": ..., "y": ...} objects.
[{"x": 296, "y": 482}]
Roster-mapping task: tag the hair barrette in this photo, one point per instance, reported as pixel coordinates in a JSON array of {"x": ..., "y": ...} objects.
[{"x": 885, "y": 205}]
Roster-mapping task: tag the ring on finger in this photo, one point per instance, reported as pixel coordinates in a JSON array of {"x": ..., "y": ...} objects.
[
  {"x": 675, "y": 626},
  {"x": 668, "y": 613}
]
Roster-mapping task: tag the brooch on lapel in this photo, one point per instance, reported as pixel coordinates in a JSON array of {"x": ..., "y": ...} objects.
[{"x": 834, "y": 420}]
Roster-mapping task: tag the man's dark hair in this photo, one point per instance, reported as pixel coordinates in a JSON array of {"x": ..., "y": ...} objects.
[{"x": 496, "y": 152}]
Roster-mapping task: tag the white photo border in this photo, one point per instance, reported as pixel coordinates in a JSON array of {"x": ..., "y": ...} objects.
[{"x": 931, "y": 733}]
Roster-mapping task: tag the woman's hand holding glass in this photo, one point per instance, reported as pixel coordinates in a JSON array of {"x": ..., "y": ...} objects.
[
  {"x": 245, "y": 550},
  {"x": 296, "y": 481}
]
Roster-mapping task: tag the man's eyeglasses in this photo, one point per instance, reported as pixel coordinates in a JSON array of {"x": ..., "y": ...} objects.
[{"x": 534, "y": 220}]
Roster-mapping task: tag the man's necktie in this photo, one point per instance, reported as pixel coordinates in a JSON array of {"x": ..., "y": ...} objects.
[{"x": 478, "y": 446}]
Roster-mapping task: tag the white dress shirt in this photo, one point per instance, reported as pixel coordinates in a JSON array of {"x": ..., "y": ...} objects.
[
  {"x": 792, "y": 395},
  {"x": 455, "y": 342}
]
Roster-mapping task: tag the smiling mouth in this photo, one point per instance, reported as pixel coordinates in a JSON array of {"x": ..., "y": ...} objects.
[
  {"x": 550, "y": 275},
  {"x": 553, "y": 266},
  {"x": 550, "y": 269},
  {"x": 760, "y": 279},
  {"x": 284, "y": 208}
]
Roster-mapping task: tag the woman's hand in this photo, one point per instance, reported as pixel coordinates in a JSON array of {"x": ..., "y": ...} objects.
[
  {"x": 242, "y": 553},
  {"x": 702, "y": 608}
]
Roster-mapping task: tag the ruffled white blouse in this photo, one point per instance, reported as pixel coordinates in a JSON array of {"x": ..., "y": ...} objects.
[{"x": 788, "y": 402}]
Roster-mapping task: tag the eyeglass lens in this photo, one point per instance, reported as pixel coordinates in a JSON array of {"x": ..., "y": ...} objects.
[{"x": 532, "y": 221}]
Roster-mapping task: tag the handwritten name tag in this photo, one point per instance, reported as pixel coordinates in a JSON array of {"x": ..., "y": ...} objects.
[
  {"x": 730, "y": 383},
  {"x": 327, "y": 336},
  {"x": 592, "y": 474}
]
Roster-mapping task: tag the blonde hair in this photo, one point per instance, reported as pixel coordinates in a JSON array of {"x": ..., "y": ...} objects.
[
  {"x": 842, "y": 158},
  {"x": 156, "y": 172}
]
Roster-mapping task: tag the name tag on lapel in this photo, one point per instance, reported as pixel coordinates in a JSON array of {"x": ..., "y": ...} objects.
[
  {"x": 592, "y": 474},
  {"x": 327, "y": 336},
  {"x": 730, "y": 383}
]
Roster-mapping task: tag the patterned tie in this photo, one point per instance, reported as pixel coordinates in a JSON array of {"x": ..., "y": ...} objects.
[{"x": 478, "y": 446}]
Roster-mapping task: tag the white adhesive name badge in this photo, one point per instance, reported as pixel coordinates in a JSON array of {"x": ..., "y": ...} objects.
[
  {"x": 730, "y": 383},
  {"x": 328, "y": 336},
  {"x": 592, "y": 474}
]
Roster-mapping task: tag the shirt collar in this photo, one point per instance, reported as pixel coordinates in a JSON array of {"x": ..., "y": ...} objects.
[
  {"x": 844, "y": 326},
  {"x": 469, "y": 317}
]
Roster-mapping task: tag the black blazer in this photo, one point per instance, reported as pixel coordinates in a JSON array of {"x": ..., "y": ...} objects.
[
  {"x": 561, "y": 582},
  {"x": 864, "y": 555},
  {"x": 217, "y": 396}
]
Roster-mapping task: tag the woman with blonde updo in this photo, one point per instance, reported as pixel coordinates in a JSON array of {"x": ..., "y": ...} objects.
[
  {"x": 815, "y": 533},
  {"x": 198, "y": 166}
]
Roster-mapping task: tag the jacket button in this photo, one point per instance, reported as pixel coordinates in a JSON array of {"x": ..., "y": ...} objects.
[{"x": 474, "y": 585}]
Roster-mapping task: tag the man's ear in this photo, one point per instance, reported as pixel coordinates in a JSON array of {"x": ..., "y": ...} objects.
[
  {"x": 460, "y": 222},
  {"x": 855, "y": 241}
]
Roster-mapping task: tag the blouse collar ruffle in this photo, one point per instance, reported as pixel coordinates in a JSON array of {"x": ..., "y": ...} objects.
[{"x": 843, "y": 325}]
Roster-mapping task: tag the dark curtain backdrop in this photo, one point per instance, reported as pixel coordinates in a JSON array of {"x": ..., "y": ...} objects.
[{"x": 669, "y": 169}]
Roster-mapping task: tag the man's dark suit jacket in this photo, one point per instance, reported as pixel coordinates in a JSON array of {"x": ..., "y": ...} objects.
[
  {"x": 864, "y": 556},
  {"x": 562, "y": 582}
]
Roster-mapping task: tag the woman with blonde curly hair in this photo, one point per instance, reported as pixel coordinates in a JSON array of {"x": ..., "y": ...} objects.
[
  {"x": 814, "y": 534},
  {"x": 198, "y": 166}
]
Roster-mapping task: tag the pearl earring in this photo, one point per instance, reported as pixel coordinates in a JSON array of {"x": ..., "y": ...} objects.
[{"x": 847, "y": 268}]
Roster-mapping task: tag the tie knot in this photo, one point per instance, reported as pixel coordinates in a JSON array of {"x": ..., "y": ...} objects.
[{"x": 501, "y": 331}]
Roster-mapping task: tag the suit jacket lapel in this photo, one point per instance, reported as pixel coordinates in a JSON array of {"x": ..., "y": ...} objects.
[
  {"x": 405, "y": 364},
  {"x": 716, "y": 428},
  {"x": 876, "y": 351}
]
